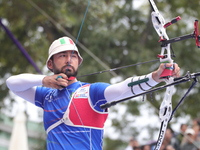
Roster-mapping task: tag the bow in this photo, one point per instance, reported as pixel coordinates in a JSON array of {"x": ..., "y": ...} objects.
[
  {"x": 165, "y": 57},
  {"x": 166, "y": 112}
]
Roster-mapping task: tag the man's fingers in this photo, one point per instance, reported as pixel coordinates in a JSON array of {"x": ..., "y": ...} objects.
[
  {"x": 61, "y": 81},
  {"x": 176, "y": 72},
  {"x": 55, "y": 81}
]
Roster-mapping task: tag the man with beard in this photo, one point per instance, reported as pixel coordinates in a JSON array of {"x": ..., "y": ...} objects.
[{"x": 73, "y": 119}]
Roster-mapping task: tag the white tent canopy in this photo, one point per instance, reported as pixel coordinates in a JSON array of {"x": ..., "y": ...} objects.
[{"x": 19, "y": 139}]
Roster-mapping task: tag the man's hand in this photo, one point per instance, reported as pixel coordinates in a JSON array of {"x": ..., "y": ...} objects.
[
  {"x": 156, "y": 74},
  {"x": 58, "y": 81}
]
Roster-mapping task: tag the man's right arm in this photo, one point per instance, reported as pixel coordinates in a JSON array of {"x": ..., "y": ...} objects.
[{"x": 24, "y": 85}]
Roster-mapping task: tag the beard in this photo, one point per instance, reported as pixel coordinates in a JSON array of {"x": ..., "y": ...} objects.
[{"x": 69, "y": 72}]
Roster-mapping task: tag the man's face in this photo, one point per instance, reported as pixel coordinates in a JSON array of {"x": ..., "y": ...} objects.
[{"x": 65, "y": 62}]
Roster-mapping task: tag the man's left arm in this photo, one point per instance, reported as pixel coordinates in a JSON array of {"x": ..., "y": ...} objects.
[{"x": 122, "y": 90}]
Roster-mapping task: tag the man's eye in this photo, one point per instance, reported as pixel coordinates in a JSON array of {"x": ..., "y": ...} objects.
[
  {"x": 73, "y": 55},
  {"x": 63, "y": 55}
]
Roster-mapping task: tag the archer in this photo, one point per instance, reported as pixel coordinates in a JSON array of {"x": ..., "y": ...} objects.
[{"x": 73, "y": 118}]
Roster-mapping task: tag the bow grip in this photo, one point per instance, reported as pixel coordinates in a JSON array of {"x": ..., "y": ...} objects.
[{"x": 167, "y": 72}]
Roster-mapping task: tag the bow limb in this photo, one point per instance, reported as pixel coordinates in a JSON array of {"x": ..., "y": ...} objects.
[{"x": 165, "y": 108}]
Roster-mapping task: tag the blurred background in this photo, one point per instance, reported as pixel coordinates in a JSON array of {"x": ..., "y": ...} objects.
[{"x": 115, "y": 33}]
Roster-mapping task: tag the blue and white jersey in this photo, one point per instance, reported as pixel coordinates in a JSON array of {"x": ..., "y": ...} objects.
[{"x": 68, "y": 136}]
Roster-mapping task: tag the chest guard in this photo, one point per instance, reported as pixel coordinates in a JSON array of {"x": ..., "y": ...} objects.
[{"x": 80, "y": 112}]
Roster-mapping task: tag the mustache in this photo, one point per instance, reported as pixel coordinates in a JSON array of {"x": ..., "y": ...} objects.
[{"x": 68, "y": 68}]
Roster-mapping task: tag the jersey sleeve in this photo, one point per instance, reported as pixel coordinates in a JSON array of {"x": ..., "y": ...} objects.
[
  {"x": 97, "y": 94},
  {"x": 40, "y": 95}
]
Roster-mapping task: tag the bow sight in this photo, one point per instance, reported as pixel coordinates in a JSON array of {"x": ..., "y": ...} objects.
[{"x": 195, "y": 35}]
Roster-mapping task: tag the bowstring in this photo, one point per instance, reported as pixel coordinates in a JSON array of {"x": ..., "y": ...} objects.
[
  {"x": 76, "y": 42},
  {"x": 81, "y": 26},
  {"x": 83, "y": 20}
]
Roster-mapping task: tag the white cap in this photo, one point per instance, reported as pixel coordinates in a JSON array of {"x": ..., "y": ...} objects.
[
  {"x": 63, "y": 44},
  {"x": 190, "y": 131}
]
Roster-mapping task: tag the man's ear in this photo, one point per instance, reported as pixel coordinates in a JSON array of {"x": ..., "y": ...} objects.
[{"x": 50, "y": 64}]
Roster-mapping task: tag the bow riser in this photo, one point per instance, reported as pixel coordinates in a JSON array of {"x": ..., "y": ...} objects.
[
  {"x": 158, "y": 22},
  {"x": 165, "y": 107}
]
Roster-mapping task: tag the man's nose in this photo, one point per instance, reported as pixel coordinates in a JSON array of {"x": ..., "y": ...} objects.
[{"x": 68, "y": 59}]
